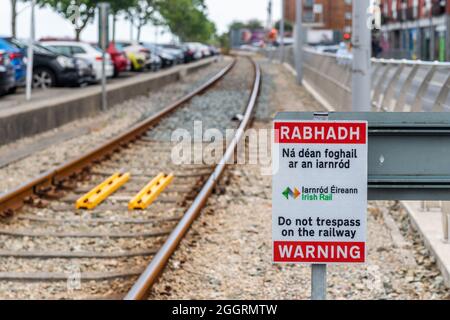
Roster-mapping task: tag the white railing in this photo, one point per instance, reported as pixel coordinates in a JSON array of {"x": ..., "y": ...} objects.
[{"x": 397, "y": 85}]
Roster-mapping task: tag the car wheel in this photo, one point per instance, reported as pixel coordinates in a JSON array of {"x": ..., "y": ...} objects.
[{"x": 43, "y": 78}]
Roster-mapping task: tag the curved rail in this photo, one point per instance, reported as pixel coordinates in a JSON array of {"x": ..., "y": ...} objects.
[
  {"x": 142, "y": 286},
  {"x": 56, "y": 177}
]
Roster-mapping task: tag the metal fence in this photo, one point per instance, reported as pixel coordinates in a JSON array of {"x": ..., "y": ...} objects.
[{"x": 397, "y": 85}]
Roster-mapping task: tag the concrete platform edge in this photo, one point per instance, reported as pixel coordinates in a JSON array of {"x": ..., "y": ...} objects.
[
  {"x": 31, "y": 119},
  {"x": 430, "y": 237}
]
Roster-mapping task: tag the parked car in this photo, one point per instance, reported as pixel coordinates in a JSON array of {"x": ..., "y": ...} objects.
[
  {"x": 176, "y": 51},
  {"x": 205, "y": 50},
  {"x": 139, "y": 56},
  {"x": 167, "y": 58},
  {"x": 51, "y": 69},
  {"x": 7, "y": 73},
  {"x": 188, "y": 53},
  {"x": 119, "y": 59},
  {"x": 17, "y": 60},
  {"x": 85, "y": 51},
  {"x": 194, "y": 49},
  {"x": 155, "y": 62},
  {"x": 327, "y": 48},
  {"x": 214, "y": 51}
]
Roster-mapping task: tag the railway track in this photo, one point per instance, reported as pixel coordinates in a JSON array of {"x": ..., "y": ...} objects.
[{"x": 48, "y": 249}]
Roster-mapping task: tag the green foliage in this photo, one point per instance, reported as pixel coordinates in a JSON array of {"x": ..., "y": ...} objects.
[
  {"x": 118, "y": 6},
  {"x": 288, "y": 26},
  {"x": 224, "y": 42},
  {"x": 252, "y": 24},
  {"x": 187, "y": 19}
]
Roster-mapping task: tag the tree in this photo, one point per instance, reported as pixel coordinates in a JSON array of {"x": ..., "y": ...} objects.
[
  {"x": 252, "y": 24},
  {"x": 187, "y": 19},
  {"x": 237, "y": 25},
  {"x": 144, "y": 12},
  {"x": 288, "y": 26},
  {"x": 78, "y": 12},
  {"x": 118, "y": 6}
]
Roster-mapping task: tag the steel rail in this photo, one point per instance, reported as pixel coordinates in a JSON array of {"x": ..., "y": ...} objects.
[
  {"x": 15, "y": 199},
  {"x": 144, "y": 283}
]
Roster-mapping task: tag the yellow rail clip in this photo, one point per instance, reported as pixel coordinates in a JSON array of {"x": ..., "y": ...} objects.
[
  {"x": 94, "y": 197},
  {"x": 150, "y": 192}
]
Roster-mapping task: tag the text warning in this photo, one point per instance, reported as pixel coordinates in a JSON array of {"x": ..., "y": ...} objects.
[{"x": 319, "y": 191}]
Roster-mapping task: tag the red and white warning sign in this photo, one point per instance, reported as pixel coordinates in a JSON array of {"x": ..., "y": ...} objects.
[{"x": 319, "y": 191}]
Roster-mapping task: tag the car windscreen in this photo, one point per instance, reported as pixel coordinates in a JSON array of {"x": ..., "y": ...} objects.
[
  {"x": 42, "y": 50},
  {"x": 119, "y": 46}
]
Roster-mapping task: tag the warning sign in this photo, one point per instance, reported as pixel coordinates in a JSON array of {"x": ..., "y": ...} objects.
[{"x": 319, "y": 191}]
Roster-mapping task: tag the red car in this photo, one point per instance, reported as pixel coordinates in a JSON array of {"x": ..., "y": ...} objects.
[{"x": 119, "y": 59}]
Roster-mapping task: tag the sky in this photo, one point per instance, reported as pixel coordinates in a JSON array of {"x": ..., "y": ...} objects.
[{"x": 49, "y": 23}]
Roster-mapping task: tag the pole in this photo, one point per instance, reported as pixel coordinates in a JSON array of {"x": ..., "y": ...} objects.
[
  {"x": 319, "y": 271},
  {"x": 447, "y": 34},
  {"x": 269, "y": 16},
  {"x": 361, "y": 43},
  {"x": 131, "y": 27},
  {"x": 299, "y": 41},
  {"x": 282, "y": 32},
  {"x": 29, "y": 80},
  {"x": 432, "y": 34},
  {"x": 319, "y": 282},
  {"x": 103, "y": 6}
]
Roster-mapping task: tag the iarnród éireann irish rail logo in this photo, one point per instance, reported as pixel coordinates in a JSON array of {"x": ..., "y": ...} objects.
[{"x": 291, "y": 193}]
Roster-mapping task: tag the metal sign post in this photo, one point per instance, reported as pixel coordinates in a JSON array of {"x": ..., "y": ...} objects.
[
  {"x": 29, "y": 79},
  {"x": 319, "y": 271},
  {"x": 103, "y": 41},
  {"x": 299, "y": 40},
  {"x": 319, "y": 282},
  {"x": 361, "y": 42}
]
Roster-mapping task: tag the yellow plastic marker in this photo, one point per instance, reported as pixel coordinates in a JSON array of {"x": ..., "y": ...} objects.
[
  {"x": 94, "y": 197},
  {"x": 150, "y": 192}
]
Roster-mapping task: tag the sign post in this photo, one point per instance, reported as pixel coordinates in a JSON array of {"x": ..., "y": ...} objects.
[
  {"x": 103, "y": 42},
  {"x": 319, "y": 194},
  {"x": 30, "y": 54}
]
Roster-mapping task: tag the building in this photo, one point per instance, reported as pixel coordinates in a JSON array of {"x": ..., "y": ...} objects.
[
  {"x": 334, "y": 16},
  {"x": 415, "y": 29}
]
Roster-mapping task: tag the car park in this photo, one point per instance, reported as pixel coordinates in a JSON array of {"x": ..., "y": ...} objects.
[
  {"x": 7, "y": 73},
  {"x": 86, "y": 51},
  {"x": 17, "y": 61}
]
